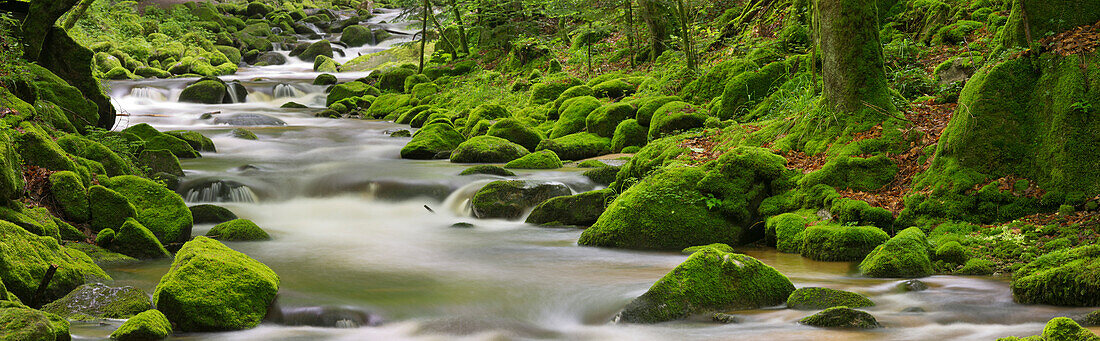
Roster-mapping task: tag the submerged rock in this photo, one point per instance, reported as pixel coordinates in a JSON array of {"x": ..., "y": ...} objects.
[
  {"x": 211, "y": 287},
  {"x": 579, "y": 210},
  {"x": 508, "y": 199},
  {"x": 149, "y": 325},
  {"x": 822, "y": 298},
  {"x": 709, "y": 280},
  {"x": 249, "y": 120},
  {"x": 211, "y": 214},
  {"x": 841, "y": 317},
  {"x": 99, "y": 301},
  {"x": 326, "y": 317},
  {"x": 488, "y": 170}
]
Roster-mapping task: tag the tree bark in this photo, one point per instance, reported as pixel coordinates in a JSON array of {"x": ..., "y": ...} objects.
[
  {"x": 685, "y": 35},
  {"x": 852, "y": 63},
  {"x": 423, "y": 37},
  {"x": 76, "y": 13},
  {"x": 461, "y": 28},
  {"x": 630, "y": 30}
]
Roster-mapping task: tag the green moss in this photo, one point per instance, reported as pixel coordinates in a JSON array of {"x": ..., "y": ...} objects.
[
  {"x": 1064, "y": 329},
  {"x": 349, "y": 90},
  {"x": 325, "y": 79},
  {"x": 648, "y": 106},
  {"x": 747, "y": 89},
  {"x": 951, "y": 252},
  {"x": 543, "y": 159},
  {"x": 1042, "y": 19},
  {"x": 134, "y": 240},
  {"x": 592, "y": 164},
  {"x": 484, "y": 112},
  {"x": 25, "y": 257},
  {"x": 628, "y": 133},
  {"x": 414, "y": 80},
  {"x": 577, "y": 146},
  {"x": 487, "y": 149},
  {"x": 178, "y": 147},
  {"x": 393, "y": 79},
  {"x": 786, "y": 231},
  {"x": 840, "y": 243},
  {"x": 550, "y": 87},
  {"x": 357, "y": 35},
  {"x": 160, "y": 161},
  {"x": 616, "y": 88},
  {"x": 906, "y": 255},
  {"x": 210, "y": 287},
  {"x": 78, "y": 109},
  {"x": 488, "y": 170},
  {"x": 604, "y": 120},
  {"x": 211, "y": 214},
  {"x": 22, "y": 323},
  {"x": 11, "y": 172},
  {"x": 196, "y": 140},
  {"x": 824, "y": 298},
  {"x": 956, "y": 32},
  {"x": 674, "y": 117},
  {"x": 1066, "y": 278},
  {"x": 977, "y": 266},
  {"x": 238, "y": 230},
  {"x": 709, "y": 280},
  {"x": 571, "y": 93},
  {"x": 514, "y": 130},
  {"x": 98, "y": 301},
  {"x": 204, "y": 92},
  {"x": 857, "y": 173},
  {"x": 509, "y": 199},
  {"x": 430, "y": 141},
  {"x": 149, "y": 325},
  {"x": 71, "y": 196},
  {"x": 37, "y": 148},
  {"x": 319, "y": 48},
  {"x": 712, "y": 82},
  {"x": 656, "y": 154},
  {"x": 425, "y": 91},
  {"x": 36, "y": 220},
  {"x": 574, "y": 112},
  {"x": 575, "y": 210},
  {"x": 716, "y": 246},
  {"x": 101, "y": 256},
  {"x": 244, "y": 134},
  {"x": 603, "y": 175},
  {"x": 158, "y": 208},
  {"x": 841, "y": 317},
  {"x": 850, "y": 211},
  {"x": 105, "y": 238}
]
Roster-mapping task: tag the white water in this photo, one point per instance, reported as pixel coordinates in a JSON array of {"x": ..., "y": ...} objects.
[{"x": 350, "y": 229}]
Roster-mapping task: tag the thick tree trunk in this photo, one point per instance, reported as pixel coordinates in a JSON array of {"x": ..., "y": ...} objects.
[
  {"x": 42, "y": 16},
  {"x": 461, "y": 28},
  {"x": 852, "y": 61},
  {"x": 654, "y": 15}
]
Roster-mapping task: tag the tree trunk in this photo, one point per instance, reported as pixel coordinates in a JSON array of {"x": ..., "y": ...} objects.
[
  {"x": 424, "y": 36},
  {"x": 685, "y": 35},
  {"x": 852, "y": 61},
  {"x": 630, "y": 30},
  {"x": 443, "y": 34},
  {"x": 76, "y": 13},
  {"x": 655, "y": 19},
  {"x": 589, "y": 44},
  {"x": 461, "y": 28}
]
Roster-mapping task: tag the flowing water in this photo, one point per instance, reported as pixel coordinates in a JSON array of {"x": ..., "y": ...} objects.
[{"x": 351, "y": 233}]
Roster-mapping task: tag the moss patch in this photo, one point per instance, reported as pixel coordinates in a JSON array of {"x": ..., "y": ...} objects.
[{"x": 238, "y": 230}]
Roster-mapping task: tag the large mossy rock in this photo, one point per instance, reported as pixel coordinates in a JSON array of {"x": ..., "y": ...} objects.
[
  {"x": 573, "y": 114},
  {"x": 839, "y": 243},
  {"x": 487, "y": 149},
  {"x": 210, "y": 287},
  {"x": 24, "y": 258},
  {"x": 628, "y": 134},
  {"x": 841, "y": 317},
  {"x": 906, "y": 255},
  {"x": 20, "y": 323},
  {"x": 508, "y": 199},
  {"x": 430, "y": 141},
  {"x": 577, "y": 146},
  {"x": 70, "y": 195},
  {"x": 77, "y": 110},
  {"x": 674, "y": 117},
  {"x": 11, "y": 171},
  {"x": 349, "y": 90},
  {"x": 1040, "y": 19},
  {"x": 211, "y": 214},
  {"x": 1068, "y": 277},
  {"x": 543, "y": 159},
  {"x": 160, "y": 161},
  {"x": 98, "y": 301},
  {"x": 113, "y": 163},
  {"x": 516, "y": 131},
  {"x": 710, "y": 280},
  {"x": 238, "y": 230},
  {"x": 134, "y": 240},
  {"x": 110, "y": 209},
  {"x": 72, "y": 62},
  {"x": 785, "y": 230},
  {"x": 320, "y": 48},
  {"x": 576, "y": 210},
  {"x": 197, "y": 140},
  {"x": 679, "y": 207},
  {"x": 158, "y": 208},
  {"x": 606, "y": 119},
  {"x": 823, "y": 298},
  {"x": 147, "y": 326},
  {"x": 205, "y": 92},
  {"x": 355, "y": 36}
]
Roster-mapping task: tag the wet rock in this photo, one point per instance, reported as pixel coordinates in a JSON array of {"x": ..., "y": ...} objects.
[
  {"x": 249, "y": 120},
  {"x": 709, "y": 281},
  {"x": 149, "y": 325},
  {"x": 204, "y": 92},
  {"x": 841, "y": 317},
  {"x": 603, "y": 175},
  {"x": 211, "y": 287},
  {"x": 576, "y": 210},
  {"x": 822, "y": 298},
  {"x": 401, "y": 133},
  {"x": 487, "y": 170},
  {"x": 238, "y": 230},
  {"x": 466, "y": 327},
  {"x": 726, "y": 318},
  {"x": 462, "y": 225},
  {"x": 243, "y": 134},
  {"x": 320, "y": 48},
  {"x": 508, "y": 199},
  {"x": 99, "y": 301},
  {"x": 912, "y": 285},
  {"x": 325, "y": 317},
  {"x": 211, "y": 214},
  {"x": 270, "y": 58},
  {"x": 913, "y": 310}
]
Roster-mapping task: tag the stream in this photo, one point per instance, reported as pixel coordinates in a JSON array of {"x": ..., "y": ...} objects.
[{"x": 351, "y": 232}]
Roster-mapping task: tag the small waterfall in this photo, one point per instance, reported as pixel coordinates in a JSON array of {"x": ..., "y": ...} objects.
[
  {"x": 311, "y": 27},
  {"x": 149, "y": 93},
  {"x": 459, "y": 200},
  {"x": 286, "y": 91},
  {"x": 221, "y": 191},
  {"x": 237, "y": 92}
]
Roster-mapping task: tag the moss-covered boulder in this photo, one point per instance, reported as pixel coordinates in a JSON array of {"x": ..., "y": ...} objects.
[
  {"x": 99, "y": 301},
  {"x": 204, "y": 92},
  {"x": 110, "y": 209},
  {"x": 430, "y": 141},
  {"x": 577, "y": 146},
  {"x": 393, "y": 79},
  {"x": 158, "y": 208},
  {"x": 574, "y": 92},
  {"x": 197, "y": 140},
  {"x": 19, "y": 323},
  {"x": 628, "y": 133},
  {"x": 211, "y": 214},
  {"x": 603, "y": 176},
  {"x": 575, "y": 210},
  {"x": 606, "y": 119},
  {"x": 573, "y": 114},
  {"x": 649, "y": 105},
  {"x": 70, "y": 195},
  {"x": 509, "y": 199},
  {"x": 857, "y": 173},
  {"x": 112, "y": 162},
  {"x": 11, "y": 172},
  {"x": 841, "y": 317},
  {"x": 1069, "y": 277},
  {"x": 238, "y": 230},
  {"x": 24, "y": 258},
  {"x": 906, "y": 255},
  {"x": 147, "y": 326},
  {"x": 134, "y": 240},
  {"x": 487, "y": 170},
  {"x": 355, "y": 36},
  {"x": 243, "y": 134},
  {"x": 349, "y": 90},
  {"x": 615, "y": 88},
  {"x": 543, "y": 159},
  {"x": 785, "y": 230},
  {"x": 1064, "y": 329},
  {"x": 514, "y": 130},
  {"x": 673, "y": 117},
  {"x": 840, "y": 243},
  {"x": 210, "y": 287},
  {"x": 823, "y": 298},
  {"x": 160, "y": 161},
  {"x": 709, "y": 281},
  {"x": 325, "y": 79},
  {"x": 487, "y": 149},
  {"x": 320, "y": 48},
  {"x": 550, "y": 87},
  {"x": 37, "y": 148}
]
